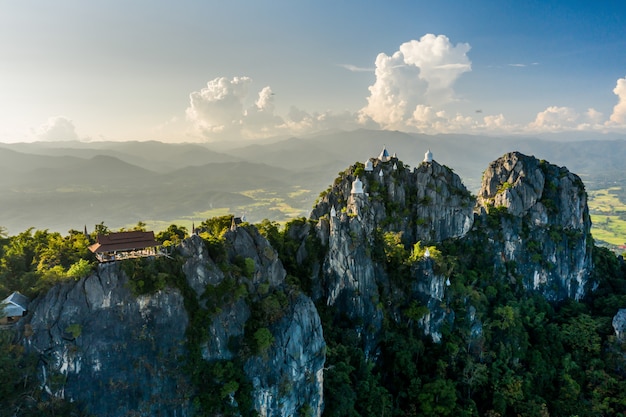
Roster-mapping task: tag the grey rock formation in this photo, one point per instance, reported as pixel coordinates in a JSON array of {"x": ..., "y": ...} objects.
[
  {"x": 619, "y": 324},
  {"x": 445, "y": 207},
  {"x": 428, "y": 204},
  {"x": 112, "y": 353},
  {"x": 289, "y": 376},
  {"x": 542, "y": 230},
  {"x": 130, "y": 351}
]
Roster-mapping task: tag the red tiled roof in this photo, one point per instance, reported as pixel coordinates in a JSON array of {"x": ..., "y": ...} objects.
[{"x": 124, "y": 241}]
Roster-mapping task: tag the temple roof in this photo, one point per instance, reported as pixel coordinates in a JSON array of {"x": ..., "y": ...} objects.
[
  {"x": 124, "y": 241},
  {"x": 384, "y": 155},
  {"x": 14, "y": 305}
]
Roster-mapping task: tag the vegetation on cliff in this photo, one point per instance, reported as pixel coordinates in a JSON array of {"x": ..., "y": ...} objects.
[{"x": 504, "y": 349}]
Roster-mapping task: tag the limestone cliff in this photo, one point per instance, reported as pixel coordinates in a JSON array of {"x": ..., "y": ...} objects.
[
  {"x": 379, "y": 233},
  {"x": 540, "y": 224},
  {"x": 117, "y": 354},
  {"x": 113, "y": 353},
  {"x": 427, "y": 204}
]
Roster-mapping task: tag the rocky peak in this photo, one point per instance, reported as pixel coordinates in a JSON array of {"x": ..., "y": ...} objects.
[
  {"x": 514, "y": 181},
  {"x": 428, "y": 203},
  {"x": 540, "y": 223},
  {"x": 444, "y": 207}
]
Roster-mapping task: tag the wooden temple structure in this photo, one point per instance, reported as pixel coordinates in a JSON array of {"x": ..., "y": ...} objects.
[{"x": 126, "y": 245}]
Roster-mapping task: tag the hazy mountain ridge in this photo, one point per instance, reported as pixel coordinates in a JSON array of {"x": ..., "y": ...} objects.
[{"x": 65, "y": 185}]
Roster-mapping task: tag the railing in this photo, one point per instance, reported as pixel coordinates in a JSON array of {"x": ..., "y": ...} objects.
[{"x": 132, "y": 254}]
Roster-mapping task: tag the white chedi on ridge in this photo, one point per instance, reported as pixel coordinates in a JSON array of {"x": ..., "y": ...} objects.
[
  {"x": 428, "y": 156},
  {"x": 357, "y": 186}
]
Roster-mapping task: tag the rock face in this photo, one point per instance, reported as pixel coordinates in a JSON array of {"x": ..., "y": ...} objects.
[
  {"x": 428, "y": 204},
  {"x": 111, "y": 352},
  {"x": 130, "y": 351},
  {"x": 290, "y": 376},
  {"x": 619, "y": 325},
  {"x": 444, "y": 208},
  {"x": 530, "y": 217},
  {"x": 544, "y": 224}
]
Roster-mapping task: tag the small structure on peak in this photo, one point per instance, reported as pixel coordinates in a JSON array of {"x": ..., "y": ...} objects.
[
  {"x": 236, "y": 222},
  {"x": 357, "y": 186},
  {"x": 428, "y": 156},
  {"x": 333, "y": 212},
  {"x": 369, "y": 166},
  {"x": 126, "y": 245},
  {"x": 13, "y": 308},
  {"x": 384, "y": 155}
]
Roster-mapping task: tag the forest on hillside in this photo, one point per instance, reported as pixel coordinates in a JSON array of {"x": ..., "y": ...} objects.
[{"x": 529, "y": 358}]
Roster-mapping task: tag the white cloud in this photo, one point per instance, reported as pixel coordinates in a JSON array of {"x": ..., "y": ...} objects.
[
  {"x": 219, "y": 112},
  {"x": 619, "y": 111},
  {"x": 301, "y": 122},
  {"x": 495, "y": 122},
  {"x": 56, "y": 129},
  {"x": 420, "y": 73},
  {"x": 555, "y": 118},
  {"x": 594, "y": 117},
  {"x": 259, "y": 120},
  {"x": 218, "y": 108},
  {"x": 354, "y": 68}
]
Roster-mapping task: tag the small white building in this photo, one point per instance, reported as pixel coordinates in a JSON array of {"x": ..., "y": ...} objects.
[
  {"x": 428, "y": 156},
  {"x": 369, "y": 166},
  {"x": 357, "y": 186}
]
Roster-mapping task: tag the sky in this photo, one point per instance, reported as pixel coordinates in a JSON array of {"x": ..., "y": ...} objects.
[{"x": 209, "y": 71}]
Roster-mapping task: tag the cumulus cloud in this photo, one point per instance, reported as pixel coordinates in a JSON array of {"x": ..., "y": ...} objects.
[
  {"x": 56, "y": 129},
  {"x": 299, "y": 121},
  {"x": 420, "y": 73},
  {"x": 555, "y": 118},
  {"x": 218, "y": 108},
  {"x": 219, "y": 111},
  {"x": 619, "y": 111}
]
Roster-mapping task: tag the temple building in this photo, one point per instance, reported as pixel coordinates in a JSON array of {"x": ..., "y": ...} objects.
[
  {"x": 126, "y": 245},
  {"x": 13, "y": 308}
]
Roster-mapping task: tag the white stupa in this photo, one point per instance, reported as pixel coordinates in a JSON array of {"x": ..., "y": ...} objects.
[
  {"x": 369, "y": 167},
  {"x": 333, "y": 212},
  {"x": 380, "y": 173},
  {"x": 395, "y": 166},
  {"x": 426, "y": 253},
  {"x": 357, "y": 186},
  {"x": 384, "y": 155},
  {"x": 428, "y": 156}
]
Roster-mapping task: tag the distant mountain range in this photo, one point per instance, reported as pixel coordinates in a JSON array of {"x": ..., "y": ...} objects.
[{"x": 65, "y": 185}]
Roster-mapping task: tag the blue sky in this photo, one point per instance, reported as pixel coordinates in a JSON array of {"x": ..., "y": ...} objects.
[{"x": 213, "y": 71}]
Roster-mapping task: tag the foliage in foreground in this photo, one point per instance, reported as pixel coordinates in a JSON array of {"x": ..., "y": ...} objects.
[{"x": 527, "y": 358}]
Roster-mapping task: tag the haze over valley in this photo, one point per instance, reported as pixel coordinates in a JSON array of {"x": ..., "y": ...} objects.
[{"x": 68, "y": 185}]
